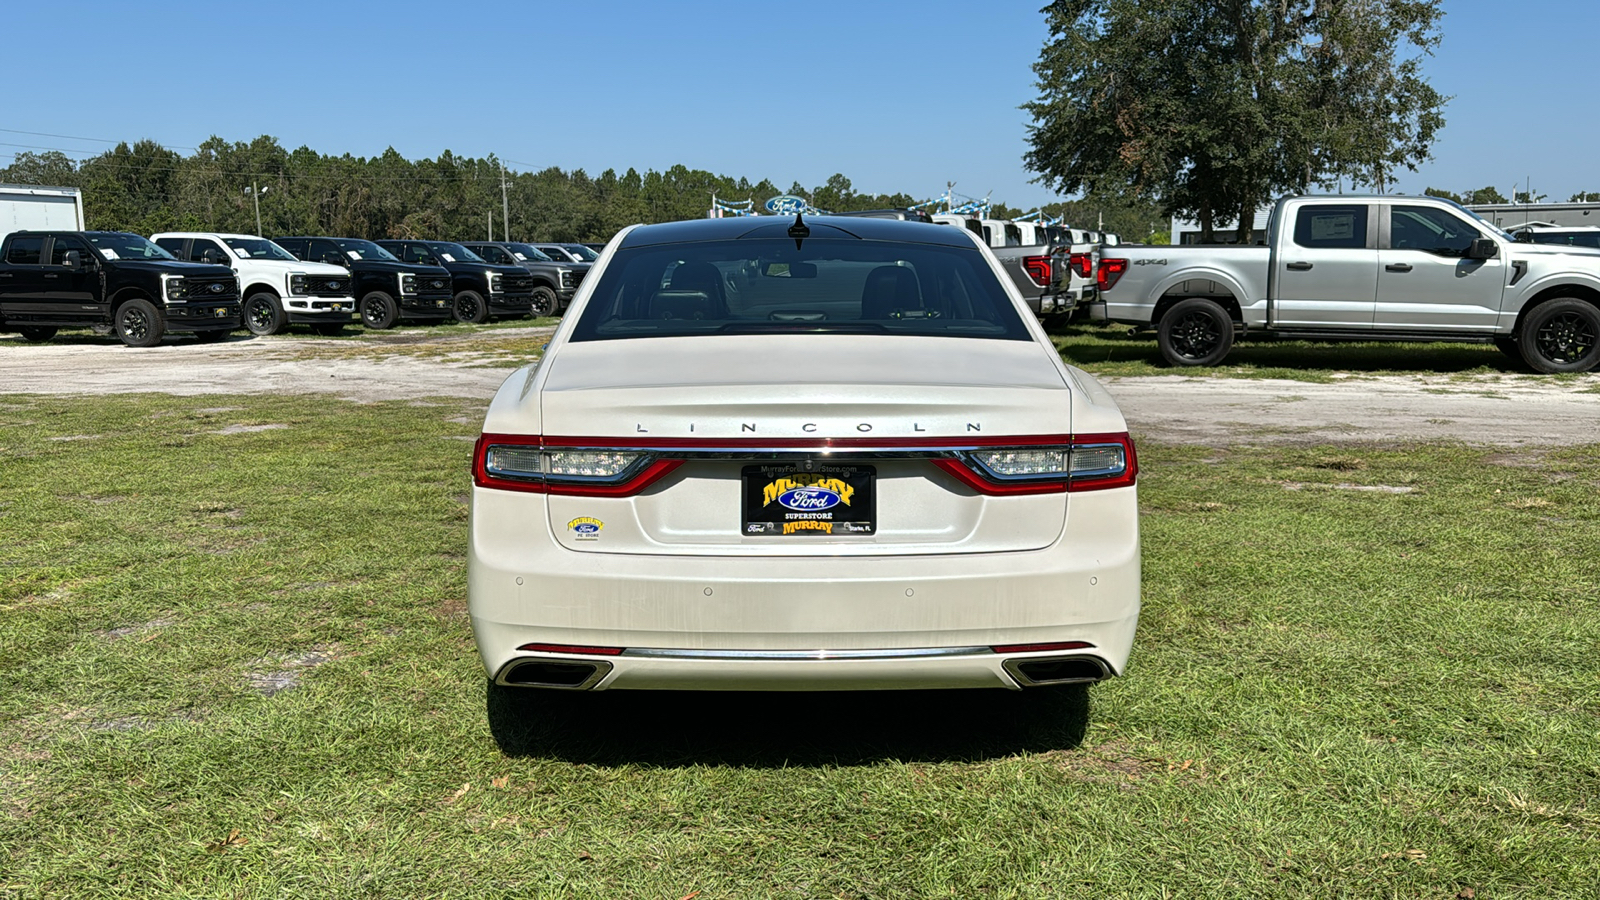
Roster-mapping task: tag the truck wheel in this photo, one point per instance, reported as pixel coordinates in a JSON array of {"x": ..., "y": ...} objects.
[
  {"x": 139, "y": 324},
  {"x": 1561, "y": 335},
  {"x": 378, "y": 310},
  {"x": 264, "y": 315},
  {"x": 544, "y": 303},
  {"x": 36, "y": 334},
  {"x": 1195, "y": 332},
  {"x": 328, "y": 328},
  {"x": 470, "y": 308}
]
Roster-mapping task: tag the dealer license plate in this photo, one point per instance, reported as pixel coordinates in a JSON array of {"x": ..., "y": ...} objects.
[{"x": 809, "y": 499}]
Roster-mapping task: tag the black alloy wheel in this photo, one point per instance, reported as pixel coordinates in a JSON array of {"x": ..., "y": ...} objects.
[
  {"x": 378, "y": 310},
  {"x": 470, "y": 309},
  {"x": 264, "y": 315},
  {"x": 139, "y": 324},
  {"x": 1561, "y": 336},
  {"x": 1195, "y": 332},
  {"x": 544, "y": 303},
  {"x": 36, "y": 334}
]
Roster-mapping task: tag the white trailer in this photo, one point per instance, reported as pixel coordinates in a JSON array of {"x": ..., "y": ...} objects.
[{"x": 26, "y": 207}]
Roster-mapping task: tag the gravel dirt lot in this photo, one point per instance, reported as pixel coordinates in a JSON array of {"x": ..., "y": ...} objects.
[{"x": 1498, "y": 409}]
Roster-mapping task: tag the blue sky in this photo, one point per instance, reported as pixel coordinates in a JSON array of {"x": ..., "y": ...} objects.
[{"x": 896, "y": 95}]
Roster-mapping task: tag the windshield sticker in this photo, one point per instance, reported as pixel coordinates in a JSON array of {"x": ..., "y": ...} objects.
[
  {"x": 520, "y": 256},
  {"x": 352, "y": 254},
  {"x": 1340, "y": 227},
  {"x": 109, "y": 253},
  {"x": 242, "y": 252},
  {"x": 448, "y": 257},
  {"x": 585, "y": 528}
]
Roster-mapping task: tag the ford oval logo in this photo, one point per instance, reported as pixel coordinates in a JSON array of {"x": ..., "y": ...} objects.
[
  {"x": 438, "y": 284},
  {"x": 333, "y": 285},
  {"x": 586, "y": 528},
  {"x": 215, "y": 289},
  {"x": 787, "y": 205},
  {"x": 808, "y": 499}
]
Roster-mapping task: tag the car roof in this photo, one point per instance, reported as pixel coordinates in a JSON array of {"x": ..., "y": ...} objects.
[{"x": 759, "y": 227}]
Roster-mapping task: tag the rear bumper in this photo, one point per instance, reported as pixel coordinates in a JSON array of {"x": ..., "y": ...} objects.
[{"x": 802, "y": 623}]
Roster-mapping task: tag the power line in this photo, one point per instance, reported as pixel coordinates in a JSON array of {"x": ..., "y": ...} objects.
[{"x": 71, "y": 137}]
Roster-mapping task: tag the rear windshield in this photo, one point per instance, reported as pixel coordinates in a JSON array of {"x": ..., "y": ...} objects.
[
  {"x": 825, "y": 287},
  {"x": 1568, "y": 239}
]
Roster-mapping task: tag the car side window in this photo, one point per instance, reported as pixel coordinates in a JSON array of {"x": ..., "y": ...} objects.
[
  {"x": 416, "y": 253},
  {"x": 1327, "y": 227},
  {"x": 1430, "y": 230},
  {"x": 58, "y": 250},
  {"x": 171, "y": 245},
  {"x": 25, "y": 251},
  {"x": 198, "y": 252},
  {"x": 326, "y": 251},
  {"x": 495, "y": 255}
]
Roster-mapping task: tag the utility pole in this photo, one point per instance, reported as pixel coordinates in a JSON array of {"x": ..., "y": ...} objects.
[
  {"x": 255, "y": 195},
  {"x": 505, "y": 205},
  {"x": 490, "y": 215}
]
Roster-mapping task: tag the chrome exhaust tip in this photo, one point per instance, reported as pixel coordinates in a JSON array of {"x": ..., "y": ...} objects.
[
  {"x": 565, "y": 675},
  {"x": 1053, "y": 670}
]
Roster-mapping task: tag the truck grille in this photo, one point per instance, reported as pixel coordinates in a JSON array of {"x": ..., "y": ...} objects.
[
  {"x": 328, "y": 285},
  {"x": 433, "y": 285},
  {"x": 208, "y": 289},
  {"x": 518, "y": 284}
]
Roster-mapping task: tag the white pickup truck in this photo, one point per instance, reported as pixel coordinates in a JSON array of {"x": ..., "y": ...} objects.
[
  {"x": 278, "y": 289},
  {"x": 1370, "y": 268}
]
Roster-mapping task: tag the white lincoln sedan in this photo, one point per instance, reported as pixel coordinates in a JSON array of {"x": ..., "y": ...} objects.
[{"x": 818, "y": 454}]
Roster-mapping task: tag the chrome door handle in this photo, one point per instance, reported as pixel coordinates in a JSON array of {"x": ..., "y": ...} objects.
[
  {"x": 1397, "y": 267},
  {"x": 1299, "y": 267},
  {"x": 51, "y": 275}
]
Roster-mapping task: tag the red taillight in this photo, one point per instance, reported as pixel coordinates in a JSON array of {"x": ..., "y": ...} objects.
[
  {"x": 1041, "y": 648},
  {"x": 1095, "y": 462},
  {"x": 531, "y": 477},
  {"x": 1038, "y": 268},
  {"x": 1082, "y": 264},
  {"x": 1110, "y": 271},
  {"x": 572, "y": 648}
]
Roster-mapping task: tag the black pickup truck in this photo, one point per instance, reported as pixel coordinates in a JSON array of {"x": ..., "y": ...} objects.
[
  {"x": 554, "y": 283},
  {"x": 482, "y": 288},
  {"x": 114, "y": 283},
  {"x": 387, "y": 290}
]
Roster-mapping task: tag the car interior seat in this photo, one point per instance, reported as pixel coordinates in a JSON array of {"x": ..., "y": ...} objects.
[{"x": 890, "y": 293}]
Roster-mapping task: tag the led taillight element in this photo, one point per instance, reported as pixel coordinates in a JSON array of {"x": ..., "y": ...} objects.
[
  {"x": 1082, "y": 264},
  {"x": 1110, "y": 271},
  {"x": 1039, "y": 268},
  {"x": 517, "y": 462},
  {"x": 1088, "y": 462}
]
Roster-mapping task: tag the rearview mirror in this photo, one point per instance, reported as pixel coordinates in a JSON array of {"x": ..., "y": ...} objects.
[
  {"x": 1483, "y": 248},
  {"x": 789, "y": 270}
]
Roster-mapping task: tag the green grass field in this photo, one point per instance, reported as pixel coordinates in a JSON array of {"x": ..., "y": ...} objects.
[{"x": 237, "y": 664}]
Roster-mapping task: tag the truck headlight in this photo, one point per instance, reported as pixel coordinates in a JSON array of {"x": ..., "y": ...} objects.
[
  {"x": 177, "y": 289},
  {"x": 408, "y": 284},
  {"x": 297, "y": 284},
  {"x": 496, "y": 282}
]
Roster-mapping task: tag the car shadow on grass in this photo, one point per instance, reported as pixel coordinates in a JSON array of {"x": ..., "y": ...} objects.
[
  {"x": 1096, "y": 346},
  {"x": 775, "y": 730}
]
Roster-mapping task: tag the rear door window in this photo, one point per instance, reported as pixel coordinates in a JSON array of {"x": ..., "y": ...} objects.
[
  {"x": 172, "y": 245},
  {"x": 25, "y": 250},
  {"x": 1328, "y": 227}
]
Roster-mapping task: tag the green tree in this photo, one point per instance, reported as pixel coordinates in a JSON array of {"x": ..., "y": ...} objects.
[
  {"x": 1210, "y": 107},
  {"x": 1584, "y": 197}
]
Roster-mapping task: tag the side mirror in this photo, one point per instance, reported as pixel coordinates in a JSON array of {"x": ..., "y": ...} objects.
[
  {"x": 1483, "y": 248},
  {"x": 214, "y": 257},
  {"x": 73, "y": 260}
]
